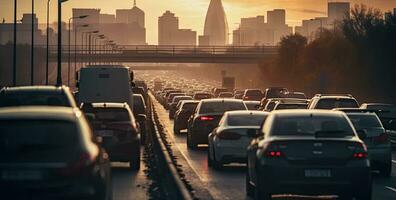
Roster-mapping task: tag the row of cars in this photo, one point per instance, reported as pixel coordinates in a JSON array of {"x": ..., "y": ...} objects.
[
  {"x": 53, "y": 147},
  {"x": 328, "y": 144}
]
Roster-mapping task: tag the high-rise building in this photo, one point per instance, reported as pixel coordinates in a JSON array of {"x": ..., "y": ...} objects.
[
  {"x": 106, "y": 19},
  {"x": 170, "y": 34},
  {"x": 337, "y": 11},
  {"x": 92, "y": 19},
  {"x": 122, "y": 16},
  {"x": 130, "y": 16},
  {"x": 276, "y": 18},
  {"x": 216, "y": 26}
]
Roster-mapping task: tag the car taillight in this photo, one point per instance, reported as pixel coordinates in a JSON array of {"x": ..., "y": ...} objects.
[
  {"x": 81, "y": 165},
  {"x": 273, "y": 151},
  {"x": 274, "y": 154},
  {"x": 206, "y": 118},
  {"x": 360, "y": 151},
  {"x": 381, "y": 139},
  {"x": 245, "y": 98},
  {"x": 229, "y": 135}
]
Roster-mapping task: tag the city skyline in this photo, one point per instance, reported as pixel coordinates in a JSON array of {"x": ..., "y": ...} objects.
[{"x": 192, "y": 12}]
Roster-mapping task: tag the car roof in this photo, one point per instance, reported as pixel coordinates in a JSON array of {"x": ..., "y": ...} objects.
[
  {"x": 110, "y": 105},
  {"x": 302, "y": 112},
  {"x": 220, "y": 100},
  {"x": 35, "y": 89},
  {"x": 378, "y": 104},
  {"x": 251, "y": 102},
  {"x": 40, "y": 112},
  {"x": 246, "y": 112}
]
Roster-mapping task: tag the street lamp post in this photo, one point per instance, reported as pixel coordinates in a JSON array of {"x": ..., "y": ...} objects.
[
  {"x": 89, "y": 45},
  {"x": 47, "y": 62},
  {"x": 75, "y": 45},
  {"x": 14, "y": 81},
  {"x": 69, "y": 49},
  {"x": 32, "y": 49},
  {"x": 59, "y": 74}
]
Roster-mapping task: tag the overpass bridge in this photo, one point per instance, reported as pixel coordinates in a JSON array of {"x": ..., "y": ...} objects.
[{"x": 169, "y": 54}]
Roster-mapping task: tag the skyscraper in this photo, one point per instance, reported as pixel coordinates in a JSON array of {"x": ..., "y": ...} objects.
[
  {"x": 337, "y": 11},
  {"x": 170, "y": 34},
  {"x": 216, "y": 26}
]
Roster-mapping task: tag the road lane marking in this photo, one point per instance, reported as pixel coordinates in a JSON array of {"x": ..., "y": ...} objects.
[
  {"x": 394, "y": 161},
  {"x": 390, "y": 188}
]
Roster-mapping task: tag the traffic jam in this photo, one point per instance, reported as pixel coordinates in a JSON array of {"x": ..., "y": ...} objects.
[{"x": 246, "y": 143}]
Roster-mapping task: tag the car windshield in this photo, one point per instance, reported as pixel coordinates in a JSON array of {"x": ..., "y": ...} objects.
[
  {"x": 33, "y": 99},
  {"x": 291, "y": 106},
  {"x": 111, "y": 114},
  {"x": 362, "y": 122},
  {"x": 221, "y": 107},
  {"x": 138, "y": 101},
  {"x": 245, "y": 120},
  {"x": 336, "y": 103},
  {"x": 27, "y": 136},
  {"x": 311, "y": 126}
]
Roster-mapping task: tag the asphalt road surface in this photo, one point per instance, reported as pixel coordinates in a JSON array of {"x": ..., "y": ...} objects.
[{"x": 229, "y": 183}]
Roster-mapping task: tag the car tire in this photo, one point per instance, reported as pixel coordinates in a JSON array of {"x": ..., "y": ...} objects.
[
  {"x": 134, "y": 164},
  {"x": 249, "y": 188},
  {"x": 259, "y": 192},
  {"x": 190, "y": 143},
  {"x": 386, "y": 170},
  {"x": 216, "y": 164}
]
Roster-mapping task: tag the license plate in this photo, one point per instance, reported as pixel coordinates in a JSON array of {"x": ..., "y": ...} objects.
[
  {"x": 317, "y": 173},
  {"x": 105, "y": 133},
  {"x": 21, "y": 175}
]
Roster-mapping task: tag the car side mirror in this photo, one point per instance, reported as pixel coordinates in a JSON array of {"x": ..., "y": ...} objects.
[
  {"x": 98, "y": 139},
  {"x": 362, "y": 134}
]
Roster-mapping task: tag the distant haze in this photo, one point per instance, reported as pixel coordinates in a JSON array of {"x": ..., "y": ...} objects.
[{"x": 191, "y": 13}]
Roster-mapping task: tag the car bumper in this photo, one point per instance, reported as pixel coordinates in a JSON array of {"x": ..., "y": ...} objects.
[
  {"x": 380, "y": 156},
  {"x": 124, "y": 151},
  {"x": 226, "y": 153},
  {"x": 292, "y": 180}
]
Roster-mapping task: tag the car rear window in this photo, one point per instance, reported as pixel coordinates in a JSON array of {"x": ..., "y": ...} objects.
[
  {"x": 275, "y": 93},
  {"x": 111, "y": 114},
  {"x": 364, "y": 121},
  {"x": 245, "y": 120},
  {"x": 189, "y": 106},
  {"x": 254, "y": 92},
  {"x": 202, "y": 96},
  {"x": 311, "y": 126},
  {"x": 252, "y": 106},
  {"x": 34, "y": 99},
  {"x": 291, "y": 106},
  {"x": 19, "y": 136},
  {"x": 138, "y": 101},
  {"x": 336, "y": 103},
  {"x": 221, "y": 107}
]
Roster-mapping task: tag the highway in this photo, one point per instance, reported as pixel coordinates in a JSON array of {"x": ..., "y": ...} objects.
[{"x": 229, "y": 183}]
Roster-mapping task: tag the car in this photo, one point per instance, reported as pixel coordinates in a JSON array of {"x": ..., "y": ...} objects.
[
  {"x": 140, "y": 90},
  {"x": 271, "y": 93},
  {"x": 142, "y": 84},
  {"x": 115, "y": 123},
  {"x": 238, "y": 94},
  {"x": 296, "y": 95},
  {"x": 207, "y": 116},
  {"x": 229, "y": 140},
  {"x": 175, "y": 102},
  {"x": 252, "y": 105},
  {"x": 140, "y": 113},
  {"x": 202, "y": 95},
  {"x": 331, "y": 101},
  {"x": 271, "y": 103},
  {"x": 49, "y": 152},
  {"x": 252, "y": 95},
  {"x": 308, "y": 152},
  {"x": 376, "y": 139},
  {"x": 226, "y": 95},
  {"x": 378, "y": 106},
  {"x": 37, "y": 96},
  {"x": 217, "y": 91},
  {"x": 170, "y": 98},
  {"x": 185, "y": 110},
  {"x": 283, "y": 106}
]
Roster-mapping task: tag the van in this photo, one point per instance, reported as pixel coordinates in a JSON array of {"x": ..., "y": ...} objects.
[{"x": 105, "y": 83}]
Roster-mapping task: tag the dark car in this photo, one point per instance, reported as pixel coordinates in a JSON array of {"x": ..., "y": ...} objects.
[
  {"x": 141, "y": 91},
  {"x": 37, "y": 96},
  {"x": 271, "y": 93},
  {"x": 252, "y": 95},
  {"x": 175, "y": 102},
  {"x": 170, "y": 98},
  {"x": 226, "y": 95},
  {"x": 202, "y": 95},
  {"x": 50, "y": 153},
  {"x": 308, "y": 152},
  {"x": 207, "y": 116},
  {"x": 140, "y": 113},
  {"x": 217, "y": 91},
  {"x": 115, "y": 123},
  {"x": 186, "y": 109},
  {"x": 238, "y": 94},
  {"x": 252, "y": 105}
]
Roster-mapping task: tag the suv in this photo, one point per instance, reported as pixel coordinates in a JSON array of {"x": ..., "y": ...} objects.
[
  {"x": 37, "y": 96},
  {"x": 186, "y": 109},
  {"x": 252, "y": 95},
  {"x": 115, "y": 123},
  {"x": 328, "y": 102},
  {"x": 207, "y": 116}
]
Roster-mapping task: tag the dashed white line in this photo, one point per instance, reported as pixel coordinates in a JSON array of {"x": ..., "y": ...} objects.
[{"x": 390, "y": 188}]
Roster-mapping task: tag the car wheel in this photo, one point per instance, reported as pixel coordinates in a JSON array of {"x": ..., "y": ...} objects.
[
  {"x": 249, "y": 188},
  {"x": 134, "y": 164},
  {"x": 190, "y": 143},
  {"x": 216, "y": 164},
  {"x": 386, "y": 170}
]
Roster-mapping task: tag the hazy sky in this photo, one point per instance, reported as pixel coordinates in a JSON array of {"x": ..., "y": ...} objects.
[{"x": 191, "y": 13}]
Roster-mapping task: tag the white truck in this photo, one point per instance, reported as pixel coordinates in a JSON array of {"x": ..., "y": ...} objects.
[{"x": 105, "y": 83}]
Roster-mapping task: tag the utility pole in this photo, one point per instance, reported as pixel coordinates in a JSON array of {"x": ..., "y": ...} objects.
[
  {"x": 14, "y": 81},
  {"x": 32, "y": 49}
]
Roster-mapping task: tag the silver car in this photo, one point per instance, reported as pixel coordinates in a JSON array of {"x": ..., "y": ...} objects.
[{"x": 229, "y": 141}]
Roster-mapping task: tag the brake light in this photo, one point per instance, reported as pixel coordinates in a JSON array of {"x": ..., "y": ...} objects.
[
  {"x": 273, "y": 151},
  {"x": 274, "y": 154},
  {"x": 381, "y": 139},
  {"x": 246, "y": 98},
  {"x": 229, "y": 135},
  {"x": 206, "y": 118},
  {"x": 360, "y": 151},
  {"x": 81, "y": 165},
  {"x": 360, "y": 155}
]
